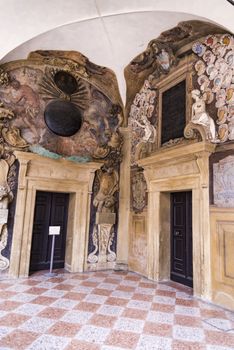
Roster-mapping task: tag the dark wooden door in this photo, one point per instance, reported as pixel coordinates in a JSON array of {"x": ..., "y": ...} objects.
[
  {"x": 181, "y": 238},
  {"x": 51, "y": 209}
]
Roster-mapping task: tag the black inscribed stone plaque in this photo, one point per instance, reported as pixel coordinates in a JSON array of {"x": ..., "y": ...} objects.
[
  {"x": 63, "y": 118},
  {"x": 173, "y": 112}
]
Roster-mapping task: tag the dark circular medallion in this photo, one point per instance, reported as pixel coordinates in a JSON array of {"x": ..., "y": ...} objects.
[
  {"x": 63, "y": 118},
  {"x": 65, "y": 82}
]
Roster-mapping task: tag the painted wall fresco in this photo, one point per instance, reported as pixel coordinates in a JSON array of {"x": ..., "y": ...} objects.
[
  {"x": 57, "y": 104},
  {"x": 23, "y": 95}
]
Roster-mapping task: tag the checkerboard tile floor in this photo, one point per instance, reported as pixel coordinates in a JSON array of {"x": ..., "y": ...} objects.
[{"x": 110, "y": 311}]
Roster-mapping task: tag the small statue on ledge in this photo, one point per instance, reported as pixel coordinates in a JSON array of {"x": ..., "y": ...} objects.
[{"x": 201, "y": 117}]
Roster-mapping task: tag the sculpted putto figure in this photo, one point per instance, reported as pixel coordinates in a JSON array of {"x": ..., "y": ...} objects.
[{"x": 201, "y": 117}]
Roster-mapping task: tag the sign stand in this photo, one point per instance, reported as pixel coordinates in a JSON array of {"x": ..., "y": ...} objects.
[{"x": 53, "y": 231}]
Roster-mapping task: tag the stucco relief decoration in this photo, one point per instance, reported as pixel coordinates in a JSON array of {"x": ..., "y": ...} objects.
[
  {"x": 139, "y": 192},
  {"x": 61, "y": 105},
  {"x": 104, "y": 200},
  {"x": 158, "y": 55},
  {"x": 201, "y": 117},
  {"x": 10, "y": 139},
  {"x": 140, "y": 117},
  {"x": 215, "y": 78},
  {"x": 224, "y": 182}
]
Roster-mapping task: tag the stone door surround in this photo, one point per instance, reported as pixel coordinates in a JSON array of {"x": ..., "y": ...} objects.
[
  {"x": 181, "y": 168},
  {"x": 37, "y": 173}
]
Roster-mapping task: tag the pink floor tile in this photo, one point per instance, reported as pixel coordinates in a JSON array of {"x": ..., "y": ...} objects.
[
  {"x": 13, "y": 320},
  {"x": 36, "y": 290},
  {"x": 81, "y": 345},
  {"x": 100, "y": 291},
  {"x": 43, "y": 300},
  {"x": 66, "y": 287},
  {"x": 74, "y": 296},
  {"x": 135, "y": 313},
  {"x": 126, "y": 340},
  {"x": 178, "y": 345},
  {"x": 219, "y": 338},
  {"x": 18, "y": 339},
  {"x": 116, "y": 301},
  {"x": 64, "y": 329},
  {"x": 161, "y": 329},
  {"x": 52, "y": 312},
  {"x": 9, "y": 305},
  {"x": 187, "y": 321},
  {"x": 143, "y": 297},
  {"x": 89, "y": 284},
  {"x": 108, "y": 310},
  {"x": 162, "y": 307},
  {"x": 103, "y": 320},
  {"x": 92, "y": 307},
  {"x": 7, "y": 294}
]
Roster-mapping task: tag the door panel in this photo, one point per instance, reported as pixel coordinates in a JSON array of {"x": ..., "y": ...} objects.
[
  {"x": 59, "y": 218},
  {"x": 50, "y": 210},
  {"x": 181, "y": 238}
]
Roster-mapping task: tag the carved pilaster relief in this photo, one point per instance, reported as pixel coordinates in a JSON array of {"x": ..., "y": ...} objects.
[
  {"x": 138, "y": 244},
  {"x": 138, "y": 191},
  {"x": 107, "y": 184}
]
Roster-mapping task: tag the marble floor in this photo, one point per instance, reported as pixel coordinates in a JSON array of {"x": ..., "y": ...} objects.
[{"x": 110, "y": 311}]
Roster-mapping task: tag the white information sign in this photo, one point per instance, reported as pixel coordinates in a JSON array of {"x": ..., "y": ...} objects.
[{"x": 54, "y": 230}]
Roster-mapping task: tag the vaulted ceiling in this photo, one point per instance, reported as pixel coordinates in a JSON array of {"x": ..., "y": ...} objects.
[{"x": 109, "y": 32}]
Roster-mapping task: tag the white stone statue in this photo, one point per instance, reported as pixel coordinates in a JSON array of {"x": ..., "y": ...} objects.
[
  {"x": 201, "y": 117},
  {"x": 149, "y": 130}
]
